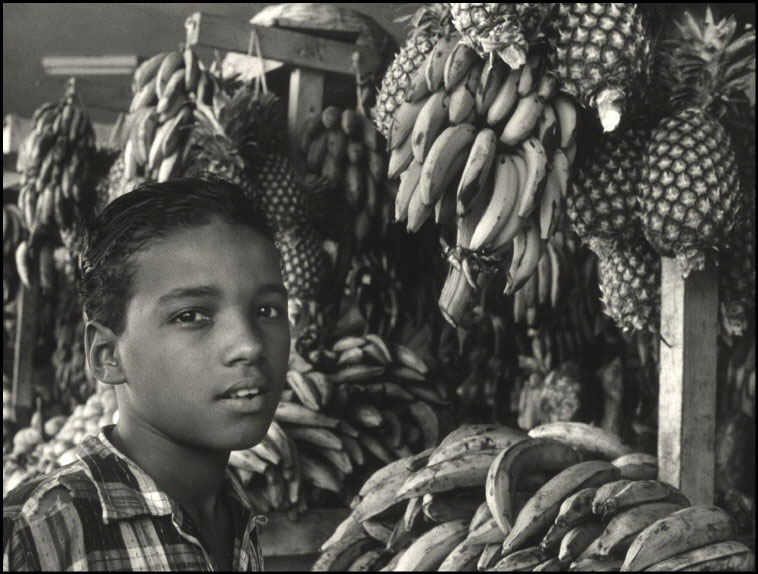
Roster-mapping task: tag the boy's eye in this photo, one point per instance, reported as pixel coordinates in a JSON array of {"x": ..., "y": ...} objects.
[
  {"x": 270, "y": 311},
  {"x": 190, "y": 317}
]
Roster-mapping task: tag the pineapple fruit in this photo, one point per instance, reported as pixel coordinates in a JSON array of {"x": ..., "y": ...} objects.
[
  {"x": 690, "y": 187},
  {"x": 600, "y": 53}
]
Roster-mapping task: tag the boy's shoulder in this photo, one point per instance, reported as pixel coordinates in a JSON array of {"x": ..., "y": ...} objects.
[{"x": 58, "y": 490}]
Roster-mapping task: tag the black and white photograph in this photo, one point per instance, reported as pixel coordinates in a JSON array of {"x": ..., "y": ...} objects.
[{"x": 472, "y": 287}]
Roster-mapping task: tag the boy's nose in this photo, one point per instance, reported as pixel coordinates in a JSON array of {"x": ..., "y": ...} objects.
[{"x": 243, "y": 343}]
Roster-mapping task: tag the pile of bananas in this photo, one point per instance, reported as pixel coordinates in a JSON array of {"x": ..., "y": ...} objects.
[
  {"x": 344, "y": 152},
  {"x": 14, "y": 233},
  {"x": 156, "y": 133},
  {"x": 56, "y": 186},
  {"x": 488, "y": 150},
  {"x": 567, "y": 496},
  {"x": 372, "y": 406}
]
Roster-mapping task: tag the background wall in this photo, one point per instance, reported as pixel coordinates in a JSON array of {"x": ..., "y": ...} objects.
[{"x": 31, "y": 31}]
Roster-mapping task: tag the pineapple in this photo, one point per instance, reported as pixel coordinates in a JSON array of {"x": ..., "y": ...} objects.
[
  {"x": 601, "y": 51},
  {"x": 603, "y": 199},
  {"x": 690, "y": 186},
  {"x": 630, "y": 283},
  {"x": 304, "y": 261},
  {"x": 430, "y": 22},
  {"x": 504, "y": 28}
]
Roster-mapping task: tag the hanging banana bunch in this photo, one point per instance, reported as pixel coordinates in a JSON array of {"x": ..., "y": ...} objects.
[
  {"x": 56, "y": 186},
  {"x": 14, "y": 233}
]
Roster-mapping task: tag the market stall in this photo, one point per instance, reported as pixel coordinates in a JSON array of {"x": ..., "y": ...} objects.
[{"x": 520, "y": 256}]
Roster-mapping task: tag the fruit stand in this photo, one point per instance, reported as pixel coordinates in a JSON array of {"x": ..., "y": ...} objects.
[{"x": 521, "y": 264}]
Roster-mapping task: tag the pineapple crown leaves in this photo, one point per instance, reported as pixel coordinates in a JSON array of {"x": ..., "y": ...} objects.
[
  {"x": 429, "y": 19},
  {"x": 707, "y": 63}
]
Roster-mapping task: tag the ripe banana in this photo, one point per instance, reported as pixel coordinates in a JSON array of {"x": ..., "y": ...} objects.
[
  {"x": 519, "y": 561},
  {"x": 552, "y": 565},
  {"x": 551, "y": 542},
  {"x": 394, "y": 426},
  {"x": 172, "y": 93},
  {"x": 476, "y": 173},
  {"x": 543, "y": 507},
  {"x": 348, "y": 342},
  {"x": 525, "y": 264},
  {"x": 623, "y": 528},
  {"x": 643, "y": 492},
  {"x": 434, "y": 67},
  {"x": 514, "y": 225},
  {"x": 145, "y": 97},
  {"x": 191, "y": 69},
  {"x": 536, "y": 166},
  {"x": 353, "y": 449},
  {"x": 525, "y": 456},
  {"x": 605, "y": 491},
  {"x": 578, "y": 539},
  {"x": 551, "y": 203},
  {"x": 445, "y": 507},
  {"x": 365, "y": 414},
  {"x": 680, "y": 532},
  {"x": 418, "y": 212},
  {"x": 453, "y": 142},
  {"x": 305, "y": 390},
  {"x": 431, "y": 549},
  {"x": 339, "y": 459},
  {"x": 576, "y": 508},
  {"x": 637, "y": 466},
  {"x": 463, "y": 98},
  {"x": 400, "y": 159},
  {"x": 373, "y": 445},
  {"x": 487, "y": 533},
  {"x": 323, "y": 386},
  {"x": 593, "y": 441},
  {"x": 406, "y": 374},
  {"x": 247, "y": 460},
  {"x": 491, "y": 554},
  {"x": 720, "y": 557},
  {"x": 493, "y": 73},
  {"x": 523, "y": 120},
  {"x": 499, "y": 438},
  {"x": 146, "y": 71},
  {"x": 319, "y": 473},
  {"x": 430, "y": 121},
  {"x": 418, "y": 461},
  {"x": 403, "y": 122},
  {"x": 367, "y": 561},
  {"x": 462, "y": 558},
  {"x": 409, "y": 358},
  {"x": 565, "y": 110},
  {"x": 357, "y": 373},
  {"x": 458, "y": 63},
  {"x": 593, "y": 565},
  {"x": 444, "y": 208},
  {"x": 501, "y": 204},
  {"x": 469, "y": 469},
  {"x": 279, "y": 437},
  {"x": 505, "y": 99},
  {"x": 427, "y": 421},
  {"x": 296, "y": 414},
  {"x": 544, "y": 280},
  {"x": 337, "y": 557}
]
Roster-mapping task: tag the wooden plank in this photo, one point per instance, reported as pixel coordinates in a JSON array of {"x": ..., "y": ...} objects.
[
  {"x": 23, "y": 363},
  {"x": 293, "y": 48},
  {"x": 280, "y": 537},
  {"x": 109, "y": 65},
  {"x": 305, "y": 99},
  {"x": 687, "y": 389}
]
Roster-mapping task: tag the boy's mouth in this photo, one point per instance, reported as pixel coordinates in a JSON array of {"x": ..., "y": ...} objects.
[
  {"x": 248, "y": 388},
  {"x": 245, "y": 393}
]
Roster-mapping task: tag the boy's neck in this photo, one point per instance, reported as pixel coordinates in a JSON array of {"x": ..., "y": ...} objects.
[{"x": 192, "y": 477}]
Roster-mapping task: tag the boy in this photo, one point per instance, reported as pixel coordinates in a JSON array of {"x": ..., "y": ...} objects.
[{"x": 187, "y": 317}]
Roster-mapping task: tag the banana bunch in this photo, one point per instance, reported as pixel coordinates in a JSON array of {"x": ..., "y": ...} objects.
[
  {"x": 344, "y": 149},
  {"x": 155, "y": 139},
  {"x": 489, "y": 151},
  {"x": 55, "y": 186},
  {"x": 330, "y": 428},
  {"x": 14, "y": 233}
]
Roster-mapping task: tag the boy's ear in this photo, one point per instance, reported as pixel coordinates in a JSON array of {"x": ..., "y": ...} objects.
[{"x": 100, "y": 345}]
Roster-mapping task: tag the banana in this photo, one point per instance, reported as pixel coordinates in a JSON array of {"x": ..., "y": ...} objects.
[
  {"x": 409, "y": 358},
  {"x": 412, "y": 512},
  {"x": 447, "y": 507},
  {"x": 623, "y": 528},
  {"x": 145, "y": 130},
  {"x": 523, "y": 267},
  {"x": 551, "y": 204},
  {"x": 316, "y": 151},
  {"x": 544, "y": 280},
  {"x": 431, "y": 549},
  {"x": 372, "y": 444},
  {"x": 339, "y": 459},
  {"x": 172, "y": 63},
  {"x": 323, "y": 386},
  {"x": 145, "y": 97},
  {"x": 523, "y": 120},
  {"x": 605, "y": 491},
  {"x": 296, "y": 414},
  {"x": 388, "y": 390},
  {"x": 514, "y": 224},
  {"x": 493, "y": 74},
  {"x": 642, "y": 492},
  {"x": 592, "y": 565},
  {"x": 457, "y": 65},
  {"x": 173, "y": 92},
  {"x": 176, "y": 131},
  {"x": 522, "y": 560},
  {"x": 417, "y": 88},
  {"x": 367, "y": 561},
  {"x": 408, "y": 183},
  {"x": 430, "y": 121},
  {"x": 349, "y": 530},
  {"x": 339, "y": 556},
  {"x": 543, "y": 507},
  {"x": 481, "y": 516},
  {"x": 637, "y": 466},
  {"x": 593, "y": 441},
  {"x": 571, "y": 152},
  {"x": 371, "y": 138},
  {"x": 348, "y": 342},
  {"x": 680, "y": 532},
  {"x": 167, "y": 166},
  {"x": 400, "y": 159},
  {"x": 491, "y": 554},
  {"x": 576, "y": 508},
  {"x": 336, "y": 144},
  {"x": 501, "y": 438},
  {"x": 357, "y": 373},
  {"x": 578, "y": 539},
  {"x": 155, "y": 156},
  {"x": 353, "y": 449},
  {"x": 318, "y": 436},
  {"x": 511, "y": 464},
  {"x": 365, "y": 414},
  {"x": 565, "y": 111},
  {"x": 394, "y": 426},
  {"x": 305, "y": 390},
  {"x": 434, "y": 67},
  {"x": 417, "y": 212},
  {"x": 146, "y": 72},
  {"x": 462, "y": 558},
  {"x": 551, "y": 542},
  {"x": 352, "y": 356},
  {"x": 403, "y": 122},
  {"x": 378, "y": 343},
  {"x": 427, "y": 421},
  {"x": 469, "y": 469},
  {"x": 487, "y": 533},
  {"x": 552, "y": 565},
  {"x": 501, "y": 204},
  {"x": 418, "y": 461},
  {"x": 536, "y": 167},
  {"x": 720, "y": 557},
  {"x": 453, "y": 142},
  {"x": 463, "y": 97},
  {"x": 312, "y": 127},
  {"x": 505, "y": 99},
  {"x": 476, "y": 173},
  {"x": 319, "y": 473},
  {"x": 191, "y": 70},
  {"x": 376, "y": 166},
  {"x": 547, "y": 130},
  {"x": 444, "y": 208},
  {"x": 406, "y": 374},
  {"x": 381, "y": 494},
  {"x": 267, "y": 451},
  {"x": 279, "y": 437}
]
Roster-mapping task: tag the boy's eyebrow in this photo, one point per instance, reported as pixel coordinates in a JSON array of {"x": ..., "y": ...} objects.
[
  {"x": 277, "y": 288},
  {"x": 183, "y": 292}
]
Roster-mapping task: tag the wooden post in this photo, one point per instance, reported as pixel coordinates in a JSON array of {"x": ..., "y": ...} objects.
[
  {"x": 23, "y": 363},
  {"x": 687, "y": 389},
  {"x": 305, "y": 98}
]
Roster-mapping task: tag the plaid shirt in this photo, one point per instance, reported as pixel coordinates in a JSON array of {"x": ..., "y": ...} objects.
[{"x": 103, "y": 512}]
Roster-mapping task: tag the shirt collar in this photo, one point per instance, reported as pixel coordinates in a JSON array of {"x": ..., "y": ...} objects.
[{"x": 125, "y": 490}]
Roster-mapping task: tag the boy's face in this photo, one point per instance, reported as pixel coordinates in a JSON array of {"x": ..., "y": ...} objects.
[{"x": 208, "y": 313}]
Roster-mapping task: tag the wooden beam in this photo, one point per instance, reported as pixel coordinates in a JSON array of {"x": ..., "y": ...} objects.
[
  {"x": 23, "y": 361},
  {"x": 116, "y": 65},
  {"x": 687, "y": 389},
  {"x": 306, "y": 94},
  {"x": 292, "y": 48},
  {"x": 280, "y": 537}
]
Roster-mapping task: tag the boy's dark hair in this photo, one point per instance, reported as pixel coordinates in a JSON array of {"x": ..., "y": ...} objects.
[{"x": 131, "y": 222}]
